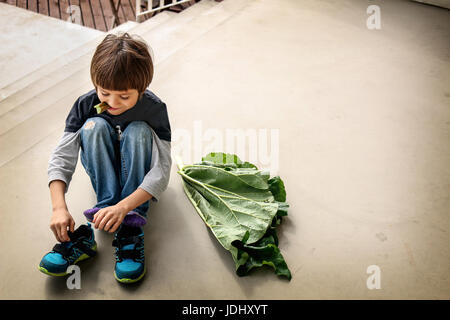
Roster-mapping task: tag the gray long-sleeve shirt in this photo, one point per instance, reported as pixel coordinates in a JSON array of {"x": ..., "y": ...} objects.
[{"x": 149, "y": 108}]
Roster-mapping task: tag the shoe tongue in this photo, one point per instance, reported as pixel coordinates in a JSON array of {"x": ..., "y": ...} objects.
[
  {"x": 128, "y": 247},
  {"x": 67, "y": 244},
  {"x": 127, "y": 231},
  {"x": 83, "y": 231}
]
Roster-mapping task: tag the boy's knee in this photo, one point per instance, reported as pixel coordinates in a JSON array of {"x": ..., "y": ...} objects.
[
  {"x": 139, "y": 126},
  {"x": 139, "y": 129},
  {"x": 95, "y": 129},
  {"x": 95, "y": 125}
]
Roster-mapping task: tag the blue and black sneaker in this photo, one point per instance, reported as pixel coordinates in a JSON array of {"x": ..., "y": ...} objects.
[
  {"x": 130, "y": 258},
  {"x": 81, "y": 246}
]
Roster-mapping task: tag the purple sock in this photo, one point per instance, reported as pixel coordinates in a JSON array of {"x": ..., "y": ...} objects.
[
  {"x": 132, "y": 218},
  {"x": 89, "y": 213}
]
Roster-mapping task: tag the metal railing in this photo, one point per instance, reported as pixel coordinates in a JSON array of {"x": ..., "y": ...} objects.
[{"x": 140, "y": 15}]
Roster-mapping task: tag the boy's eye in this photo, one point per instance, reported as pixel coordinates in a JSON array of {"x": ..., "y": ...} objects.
[{"x": 122, "y": 97}]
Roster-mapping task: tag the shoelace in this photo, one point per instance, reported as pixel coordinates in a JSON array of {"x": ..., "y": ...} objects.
[{"x": 67, "y": 250}]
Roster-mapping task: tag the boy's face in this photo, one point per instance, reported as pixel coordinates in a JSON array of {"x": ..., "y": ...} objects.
[{"x": 118, "y": 101}]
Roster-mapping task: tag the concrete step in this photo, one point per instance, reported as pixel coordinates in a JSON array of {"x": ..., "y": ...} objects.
[
  {"x": 31, "y": 40},
  {"x": 64, "y": 66},
  {"x": 26, "y": 134},
  {"x": 52, "y": 86},
  {"x": 19, "y": 133},
  {"x": 155, "y": 21},
  {"x": 42, "y": 39},
  {"x": 174, "y": 35},
  {"x": 30, "y": 85}
]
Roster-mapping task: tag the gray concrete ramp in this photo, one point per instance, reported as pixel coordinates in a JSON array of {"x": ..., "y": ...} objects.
[{"x": 355, "y": 121}]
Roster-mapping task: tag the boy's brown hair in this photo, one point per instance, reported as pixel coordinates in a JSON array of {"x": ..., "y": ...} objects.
[{"x": 122, "y": 62}]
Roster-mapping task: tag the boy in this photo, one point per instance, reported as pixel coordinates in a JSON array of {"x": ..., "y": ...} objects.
[{"x": 124, "y": 134}]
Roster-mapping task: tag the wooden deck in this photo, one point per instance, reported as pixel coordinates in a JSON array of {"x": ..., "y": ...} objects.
[{"x": 96, "y": 14}]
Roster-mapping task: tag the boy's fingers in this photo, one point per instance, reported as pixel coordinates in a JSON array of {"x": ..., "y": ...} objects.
[
  {"x": 98, "y": 218},
  {"x": 55, "y": 233},
  {"x": 115, "y": 226},
  {"x": 110, "y": 224},
  {"x": 104, "y": 221},
  {"x": 97, "y": 215},
  {"x": 64, "y": 235},
  {"x": 58, "y": 235},
  {"x": 58, "y": 232},
  {"x": 72, "y": 225}
]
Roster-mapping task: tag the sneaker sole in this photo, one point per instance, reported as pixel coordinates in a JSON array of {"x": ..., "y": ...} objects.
[
  {"x": 127, "y": 280},
  {"x": 84, "y": 256},
  {"x": 43, "y": 270}
]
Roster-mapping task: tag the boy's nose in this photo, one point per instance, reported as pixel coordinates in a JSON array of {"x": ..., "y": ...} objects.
[{"x": 113, "y": 103}]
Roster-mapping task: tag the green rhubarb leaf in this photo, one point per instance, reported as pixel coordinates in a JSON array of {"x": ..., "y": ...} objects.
[
  {"x": 220, "y": 158},
  {"x": 263, "y": 252},
  {"x": 239, "y": 204},
  {"x": 276, "y": 186},
  {"x": 101, "y": 107}
]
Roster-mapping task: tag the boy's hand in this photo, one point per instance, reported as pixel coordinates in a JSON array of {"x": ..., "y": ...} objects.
[
  {"x": 61, "y": 219},
  {"x": 109, "y": 218}
]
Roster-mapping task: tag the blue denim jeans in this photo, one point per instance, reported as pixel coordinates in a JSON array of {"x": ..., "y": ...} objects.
[{"x": 116, "y": 165}]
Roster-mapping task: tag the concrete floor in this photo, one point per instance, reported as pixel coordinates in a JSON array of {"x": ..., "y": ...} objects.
[
  {"x": 363, "y": 148},
  {"x": 41, "y": 39}
]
